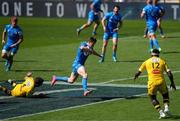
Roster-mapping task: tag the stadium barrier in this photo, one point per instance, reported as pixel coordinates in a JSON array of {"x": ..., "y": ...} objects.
[{"x": 69, "y": 9}]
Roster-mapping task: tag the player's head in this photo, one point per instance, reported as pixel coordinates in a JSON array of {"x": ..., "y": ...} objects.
[
  {"x": 38, "y": 81},
  {"x": 148, "y": 1},
  {"x": 92, "y": 41},
  {"x": 14, "y": 21},
  {"x": 155, "y": 52},
  {"x": 155, "y": 2},
  {"x": 116, "y": 9}
]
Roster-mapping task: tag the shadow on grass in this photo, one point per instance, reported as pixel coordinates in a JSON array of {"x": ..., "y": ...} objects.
[
  {"x": 171, "y": 52},
  {"x": 175, "y": 117},
  {"x": 40, "y": 70},
  {"x": 173, "y": 37},
  {"x": 21, "y": 61}
]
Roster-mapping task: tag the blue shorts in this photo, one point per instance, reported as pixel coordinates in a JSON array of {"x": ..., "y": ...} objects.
[
  {"x": 152, "y": 29},
  {"x": 107, "y": 35},
  {"x": 75, "y": 68},
  {"x": 7, "y": 48},
  {"x": 92, "y": 17}
]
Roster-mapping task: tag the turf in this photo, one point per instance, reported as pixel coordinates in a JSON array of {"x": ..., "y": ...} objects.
[{"x": 50, "y": 46}]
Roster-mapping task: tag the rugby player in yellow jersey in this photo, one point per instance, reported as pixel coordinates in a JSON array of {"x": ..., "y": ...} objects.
[
  {"x": 25, "y": 89},
  {"x": 155, "y": 67}
]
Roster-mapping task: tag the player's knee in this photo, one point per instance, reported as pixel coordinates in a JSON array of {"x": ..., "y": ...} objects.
[
  {"x": 85, "y": 75},
  {"x": 105, "y": 44},
  {"x": 71, "y": 81},
  {"x": 3, "y": 55}
]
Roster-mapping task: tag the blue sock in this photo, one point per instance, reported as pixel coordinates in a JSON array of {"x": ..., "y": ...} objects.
[
  {"x": 155, "y": 42},
  {"x": 151, "y": 44},
  {"x": 64, "y": 79},
  {"x": 84, "y": 84},
  {"x": 114, "y": 54}
]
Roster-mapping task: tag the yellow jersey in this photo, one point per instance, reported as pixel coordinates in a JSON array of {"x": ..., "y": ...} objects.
[
  {"x": 155, "y": 67},
  {"x": 24, "y": 89}
]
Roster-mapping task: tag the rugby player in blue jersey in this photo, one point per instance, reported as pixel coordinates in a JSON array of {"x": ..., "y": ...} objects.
[
  {"x": 14, "y": 38},
  {"x": 158, "y": 20},
  {"x": 93, "y": 16},
  {"x": 111, "y": 24},
  {"x": 78, "y": 68},
  {"x": 152, "y": 13}
]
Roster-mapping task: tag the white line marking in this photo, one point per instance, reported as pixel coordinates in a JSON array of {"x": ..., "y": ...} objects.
[{"x": 129, "y": 78}]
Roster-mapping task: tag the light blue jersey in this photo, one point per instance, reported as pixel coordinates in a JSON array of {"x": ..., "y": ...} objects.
[
  {"x": 97, "y": 5},
  {"x": 152, "y": 14},
  {"x": 80, "y": 57},
  {"x": 93, "y": 14},
  {"x": 14, "y": 34},
  {"x": 112, "y": 23}
]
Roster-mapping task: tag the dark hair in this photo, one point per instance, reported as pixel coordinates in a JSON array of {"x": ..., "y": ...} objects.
[
  {"x": 116, "y": 6},
  {"x": 92, "y": 39},
  {"x": 38, "y": 81},
  {"x": 155, "y": 52}
]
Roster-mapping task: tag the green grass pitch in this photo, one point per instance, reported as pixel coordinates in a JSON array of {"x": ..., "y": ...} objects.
[{"x": 50, "y": 46}]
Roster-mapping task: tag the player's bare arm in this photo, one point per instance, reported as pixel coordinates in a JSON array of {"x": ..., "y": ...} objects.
[
  {"x": 170, "y": 75},
  {"x": 4, "y": 37}
]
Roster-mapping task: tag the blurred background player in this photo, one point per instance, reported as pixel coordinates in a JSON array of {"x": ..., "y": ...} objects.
[
  {"x": 93, "y": 16},
  {"x": 78, "y": 68},
  {"x": 158, "y": 21},
  {"x": 152, "y": 13},
  {"x": 111, "y": 23},
  {"x": 25, "y": 89},
  {"x": 155, "y": 67},
  {"x": 14, "y": 38}
]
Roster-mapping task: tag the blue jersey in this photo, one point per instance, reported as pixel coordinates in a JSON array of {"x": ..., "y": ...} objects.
[
  {"x": 152, "y": 14},
  {"x": 161, "y": 8},
  {"x": 14, "y": 34},
  {"x": 112, "y": 21},
  {"x": 97, "y": 5},
  {"x": 81, "y": 55}
]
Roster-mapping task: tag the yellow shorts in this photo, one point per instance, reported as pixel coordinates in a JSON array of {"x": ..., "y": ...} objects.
[
  {"x": 153, "y": 87},
  {"x": 17, "y": 91}
]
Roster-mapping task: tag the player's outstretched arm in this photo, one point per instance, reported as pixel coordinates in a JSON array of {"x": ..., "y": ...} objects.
[
  {"x": 95, "y": 53},
  {"x": 170, "y": 75},
  {"x": 137, "y": 75}
]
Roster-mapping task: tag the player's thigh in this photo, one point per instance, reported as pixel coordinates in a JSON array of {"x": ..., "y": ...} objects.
[
  {"x": 115, "y": 38},
  {"x": 163, "y": 88},
  {"x": 152, "y": 88},
  {"x": 82, "y": 71},
  {"x": 5, "y": 50},
  {"x": 106, "y": 37}
]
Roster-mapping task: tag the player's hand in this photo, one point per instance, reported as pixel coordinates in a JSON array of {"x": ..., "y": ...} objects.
[
  {"x": 3, "y": 42},
  {"x": 173, "y": 86},
  {"x": 115, "y": 30}
]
